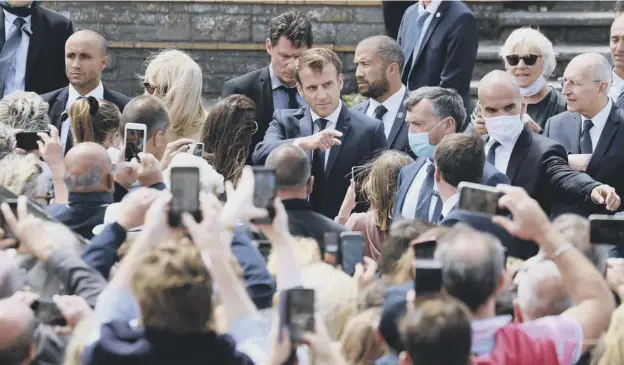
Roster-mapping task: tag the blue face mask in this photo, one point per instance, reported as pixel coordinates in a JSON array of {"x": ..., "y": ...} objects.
[{"x": 419, "y": 143}]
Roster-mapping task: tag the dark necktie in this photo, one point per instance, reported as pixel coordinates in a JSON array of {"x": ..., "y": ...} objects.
[
  {"x": 491, "y": 156},
  {"x": 9, "y": 51},
  {"x": 380, "y": 111},
  {"x": 318, "y": 159},
  {"x": 293, "y": 103},
  {"x": 425, "y": 195},
  {"x": 420, "y": 24},
  {"x": 586, "y": 142}
]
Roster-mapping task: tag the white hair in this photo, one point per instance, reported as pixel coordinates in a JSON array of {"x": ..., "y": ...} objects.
[
  {"x": 211, "y": 181},
  {"x": 601, "y": 68},
  {"x": 541, "y": 292},
  {"x": 524, "y": 41},
  {"x": 24, "y": 110}
]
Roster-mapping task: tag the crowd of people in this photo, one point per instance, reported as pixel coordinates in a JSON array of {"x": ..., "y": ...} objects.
[{"x": 94, "y": 271}]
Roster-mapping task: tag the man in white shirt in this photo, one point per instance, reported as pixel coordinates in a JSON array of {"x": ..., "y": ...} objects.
[{"x": 378, "y": 62}]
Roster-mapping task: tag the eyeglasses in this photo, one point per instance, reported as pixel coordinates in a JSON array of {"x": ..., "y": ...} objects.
[
  {"x": 255, "y": 128},
  {"x": 149, "y": 88},
  {"x": 514, "y": 59},
  {"x": 563, "y": 81}
]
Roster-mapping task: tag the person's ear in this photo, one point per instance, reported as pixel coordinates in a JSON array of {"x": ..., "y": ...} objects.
[
  {"x": 404, "y": 359},
  {"x": 104, "y": 63},
  {"x": 340, "y": 81},
  {"x": 110, "y": 181},
  {"x": 517, "y": 313},
  {"x": 501, "y": 283},
  {"x": 310, "y": 185},
  {"x": 268, "y": 46},
  {"x": 436, "y": 175}
]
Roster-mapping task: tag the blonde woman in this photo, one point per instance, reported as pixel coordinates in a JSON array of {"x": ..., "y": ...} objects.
[
  {"x": 359, "y": 342},
  {"x": 174, "y": 77},
  {"x": 379, "y": 189}
]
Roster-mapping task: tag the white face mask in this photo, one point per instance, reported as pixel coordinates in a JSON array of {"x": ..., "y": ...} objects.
[
  {"x": 534, "y": 88},
  {"x": 505, "y": 128}
]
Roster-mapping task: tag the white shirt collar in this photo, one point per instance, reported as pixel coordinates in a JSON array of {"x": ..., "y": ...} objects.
[
  {"x": 9, "y": 18},
  {"x": 393, "y": 103},
  {"x": 618, "y": 82},
  {"x": 97, "y": 93},
  {"x": 332, "y": 118},
  {"x": 275, "y": 81},
  {"x": 449, "y": 204},
  {"x": 432, "y": 8},
  {"x": 600, "y": 119}
]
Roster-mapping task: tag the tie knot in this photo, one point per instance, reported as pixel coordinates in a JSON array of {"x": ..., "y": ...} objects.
[
  {"x": 422, "y": 16},
  {"x": 19, "y": 22},
  {"x": 380, "y": 111},
  {"x": 495, "y": 144},
  {"x": 322, "y": 123},
  {"x": 587, "y": 124},
  {"x": 289, "y": 90},
  {"x": 430, "y": 170}
]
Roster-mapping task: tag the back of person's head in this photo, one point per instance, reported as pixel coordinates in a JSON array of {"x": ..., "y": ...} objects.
[
  {"x": 306, "y": 252},
  {"x": 151, "y": 111},
  {"x": 174, "y": 77},
  {"x": 23, "y": 175},
  {"x": 575, "y": 229},
  {"x": 437, "y": 331},
  {"x": 541, "y": 292},
  {"x": 460, "y": 157},
  {"x": 359, "y": 339},
  {"x": 472, "y": 265},
  {"x": 174, "y": 289},
  {"x": 88, "y": 168},
  {"x": 17, "y": 338},
  {"x": 94, "y": 120},
  {"x": 292, "y": 167},
  {"x": 6, "y": 140},
  {"x": 380, "y": 185},
  {"x": 24, "y": 110},
  {"x": 227, "y": 135},
  {"x": 374, "y": 295},
  {"x": 401, "y": 234},
  {"x": 210, "y": 180}
]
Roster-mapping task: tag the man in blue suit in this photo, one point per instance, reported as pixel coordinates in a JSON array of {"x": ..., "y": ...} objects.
[
  {"x": 432, "y": 113},
  {"x": 440, "y": 41},
  {"x": 334, "y": 137}
]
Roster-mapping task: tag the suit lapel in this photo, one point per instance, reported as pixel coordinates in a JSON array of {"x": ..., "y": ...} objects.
[
  {"x": 266, "y": 93},
  {"x": 520, "y": 150},
  {"x": 59, "y": 108},
  {"x": 2, "y": 34},
  {"x": 435, "y": 20},
  {"x": 362, "y": 107},
  {"x": 609, "y": 131},
  {"x": 399, "y": 122},
  {"x": 344, "y": 122},
  {"x": 575, "y": 134},
  {"x": 305, "y": 128},
  {"x": 37, "y": 39}
]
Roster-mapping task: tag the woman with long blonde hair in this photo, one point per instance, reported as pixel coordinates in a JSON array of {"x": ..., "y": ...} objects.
[
  {"x": 176, "y": 78},
  {"x": 379, "y": 189},
  {"x": 94, "y": 120}
]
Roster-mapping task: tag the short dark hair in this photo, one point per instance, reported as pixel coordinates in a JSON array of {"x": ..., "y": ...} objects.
[
  {"x": 446, "y": 103},
  {"x": 460, "y": 158},
  {"x": 292, "y": 25},
  {"x": 400, "y": 235},
  {"x": 316, "y": 59},
  {"x": 389, "y": 50},
  {"x": 291, "y": 164},
  {"x": 148, "y": 110},
  {"x": 435, "y": 326}
]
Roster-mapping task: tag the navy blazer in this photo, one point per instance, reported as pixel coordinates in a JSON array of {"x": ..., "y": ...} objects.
[
  {"x": 83, "y": 212},
  {"x": 606, "y": 164},
  {"x": 359, "y": 144},
  {"x": 447, "y": 53},
  {"x": 397, "y": 139},
  {"x": 491, "y": 177}
]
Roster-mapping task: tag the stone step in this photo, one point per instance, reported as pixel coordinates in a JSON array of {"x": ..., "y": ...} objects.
[{"x": 570, "y": 5}]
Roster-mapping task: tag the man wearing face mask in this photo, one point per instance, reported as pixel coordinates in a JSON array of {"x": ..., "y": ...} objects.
[
  {"x": 590, "y": 128},
  {"x": 533, "y": 162},
  {"x": 432, "y": 113}
]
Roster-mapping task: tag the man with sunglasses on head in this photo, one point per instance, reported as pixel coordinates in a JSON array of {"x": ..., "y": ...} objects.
[
  {"x": 85, "y": 60},
  {"x": 591, "y": 130}
]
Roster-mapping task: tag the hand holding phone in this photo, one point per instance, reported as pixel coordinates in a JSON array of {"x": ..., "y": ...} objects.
[
  {"x": 48, "y": 313},
  {"x": 297, "y": 312},
  {"x": 134, "y": 141},
  {"x": 185, "y": 186},
  {"x": 480, "y": 198},
  {"x": 352, "y": 248},
  {"x": 28, "y": 140},
  {"x": 606, "y": 229},
  {"x": 265, "y": 191}
]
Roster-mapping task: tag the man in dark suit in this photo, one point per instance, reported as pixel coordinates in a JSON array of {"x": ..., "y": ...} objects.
[
  {"x": 439, "y": 40},
  {"x": 32, "y": 39},
  {"x": 273, "y": 87},
  {"x": 378, "y": 61},
  {"x": 334, "y": 137},
  {"x": 85, "y": 59},
  {"x": 294, "y": 185},
  {"x": 432, "y": 113},
  {"x": 531, "y": 161},
  {"x": 590, "y": 129}
]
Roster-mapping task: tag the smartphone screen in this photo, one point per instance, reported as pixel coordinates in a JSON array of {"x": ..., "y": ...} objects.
[
  {"x": 5, "y": 227},
  {"x": 428, "y": 277},
  {"x": 333, "y": 252},
  {"x": 265, "y": 190},
  {"x": 135, "y": 143},
  {"x": 28, "y": 140},
  {"x": 425, "y": 250},
  {"x": 48, "y": 313},
  {"x": 352, "y": 247},
  {"x": 299, "y": 312},
  {"x": 480, "y": 198},
  {"x": 198, "y": 149},
  {"x": 606, "y": 229},
  {"x": 185, "y": 187}
]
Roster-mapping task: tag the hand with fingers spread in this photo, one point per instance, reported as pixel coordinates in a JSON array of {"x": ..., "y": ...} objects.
[
  {"x": 240, "y": 205},
  {"x": 173, "y": 148},
  {"x": 133, "y": 208},
  {"x": 322, "y": 140},
  {"x": 74, "y": 309},
  {"x": 50, "y": 147},
  {"x": 27, "y": 230},
  {"x": 149, "y": 172},
  {"x": 125, "y": 174},
  {"x": 365, "y": 274},
  {"x": 606, "y": 195},
  {"x": 529, "y": 220}
]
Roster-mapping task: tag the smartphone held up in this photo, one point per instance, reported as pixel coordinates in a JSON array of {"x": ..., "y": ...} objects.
[
  {"x": 185, "y": 187},
  {"x": 480, "y": 199},
  {"x": 265, "y": 191}
]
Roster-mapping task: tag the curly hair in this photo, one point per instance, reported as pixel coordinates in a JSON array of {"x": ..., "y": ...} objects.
[{"x": 24, "y": 110}]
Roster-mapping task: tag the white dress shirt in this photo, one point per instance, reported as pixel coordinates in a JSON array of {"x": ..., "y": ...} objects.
[
  {"x": 431, "y": 9},
  {"x": 332, "y": 120},
  {"x": 413, "y": 195},
  {"x": 97, "y": 93},
  {"x": 599, "y": 121},
  {"x": 16, "y": 78},
  {"x": 503, "y": 153},
  {"x": 392, "y": 104},
  {"x": 449, "y": 204},
  {"x": 617, "y": 87}
]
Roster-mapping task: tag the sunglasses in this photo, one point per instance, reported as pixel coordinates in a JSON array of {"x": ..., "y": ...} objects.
[
  {"x": 514, "y": 59},
  {"x": 151, "y": 88}
]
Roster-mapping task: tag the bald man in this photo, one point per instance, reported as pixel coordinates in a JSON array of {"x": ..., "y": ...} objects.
[
  {"x": 534, "y": 162},
  {"x": 592, "y": 129},
  {"x": 89, "y": 179},
  {"x": 85, "y": 60},
  {"x": 17, "y": 338},
  {"x": 32, "y": 39}
]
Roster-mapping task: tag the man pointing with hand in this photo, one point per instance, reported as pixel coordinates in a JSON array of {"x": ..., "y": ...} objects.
[{"x": 334, "y": 137}]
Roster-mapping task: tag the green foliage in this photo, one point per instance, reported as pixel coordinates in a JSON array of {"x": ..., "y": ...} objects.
[{"x": 351, "y": 100}]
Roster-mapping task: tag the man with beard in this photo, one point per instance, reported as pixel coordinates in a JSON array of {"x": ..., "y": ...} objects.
[{"x": 378, "y": 62}]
